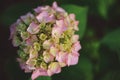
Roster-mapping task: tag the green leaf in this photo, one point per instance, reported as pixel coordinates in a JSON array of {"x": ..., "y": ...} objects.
[
  {"x": 86, "y": 68},
  {"x": 81, "y": 16},
  {"x": 43, "y": 78},
  {"x": 103, "y": 7},
  {"x": 112, "y": 40}
]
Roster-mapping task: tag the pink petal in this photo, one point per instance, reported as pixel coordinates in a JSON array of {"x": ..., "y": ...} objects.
[
  {"x": 76, "y": 46},
  {"x": 47, "y": 57},
  {"x": 31, "y": 40},
  {"x": 72, "y": 16},
  {"x": 53, "y": 68},
  {"x": 38, "y": 72},
  {"x": 56, "y": 31},
  {"x": 54, "y": 5},
  {"x": 58, "y": 9},
  {"x": 38, "y": 9},
  {"x": 62, "y": 57},
  {"x": 60, "y": 23},
  {"x": 41, "y": 8},
  {"x": 45, "y": 17},
  {"x": 33, "y": 28},
  {"x": 59, "y": 28},
  {"x": 74, "y": 38},
  {"x": 76, "y": 25},
  {"x": 51, "y": 18},
  {"x": 42, "y": 16},
  {"x": 72, "y": 59},
  {"x": 33, "y": 53}
]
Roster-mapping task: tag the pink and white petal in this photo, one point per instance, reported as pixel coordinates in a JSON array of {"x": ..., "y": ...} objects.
[
  {"x": 33, "y": 28},
  {"x": 38, "y": 72},
  {"x": 59, "y": 28},
  {"x": 72, "y": 17},
  {"x": 35, "y": 74},
  {"x": 76, "y": 25},
  {"x": 45, "y": 17},
  {"x": 72, "y": 59},
  {"x": 46, "y": 8},
  {"x": 50, "y": 18},
  {"x": 54, "y": 5},
  {"x": 42, "y": 16},
  {"x": 33, "y": 54},
  {"x": 31, "y": 62},
  {"x": 56, "y": 31},
  {"x": 53, "y": 68},
  {"x": 74, "y": 38},
  {"x": 38, "y": 9},
  {"x": 61, "y": 24},
  {"x": 62, "y": 57},
  {"x": 50, "y": 73},
  {"x": 47, "y": 57},
  {"x": 58, "y": 9},
  {"x": 76, "y": 46}
]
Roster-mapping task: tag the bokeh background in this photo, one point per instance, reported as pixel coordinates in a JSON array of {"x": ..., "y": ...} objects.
[{"x": 99, "y": 35}]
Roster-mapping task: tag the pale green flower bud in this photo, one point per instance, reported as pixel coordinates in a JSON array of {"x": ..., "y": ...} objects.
[
  {"x": 37, "y": 46},
  {"x": 47, "y": 57},
  {"x": 16, "y": 41},
  {"x": 21, "y": 27},
  {"x": 47, "y": 44},
  {"x": 25, "y": 35},
  {"x": 43, "y": 65},
  {"x": 31, "y": 61},
  {"x": 53, "y": 51},
  {"x": 48, "y": 28},
  {"x": 42, "y": 26},
  {"x": 22, "y": 54},
  {"x": 33, "y": 53},
  {"x": 43, "y": 37}
]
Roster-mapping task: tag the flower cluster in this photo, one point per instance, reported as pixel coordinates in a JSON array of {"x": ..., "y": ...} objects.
[{"x": 46, "y": 40}]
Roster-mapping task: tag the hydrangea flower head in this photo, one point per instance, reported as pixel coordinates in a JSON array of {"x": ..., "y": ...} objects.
[{"x": 46, "y": 40}]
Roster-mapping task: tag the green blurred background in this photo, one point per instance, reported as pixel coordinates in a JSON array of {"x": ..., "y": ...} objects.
[{"x": 99, "y": 32}]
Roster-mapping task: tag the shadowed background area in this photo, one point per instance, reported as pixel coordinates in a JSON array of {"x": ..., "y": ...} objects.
[{"x": 99, "y": 36}]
